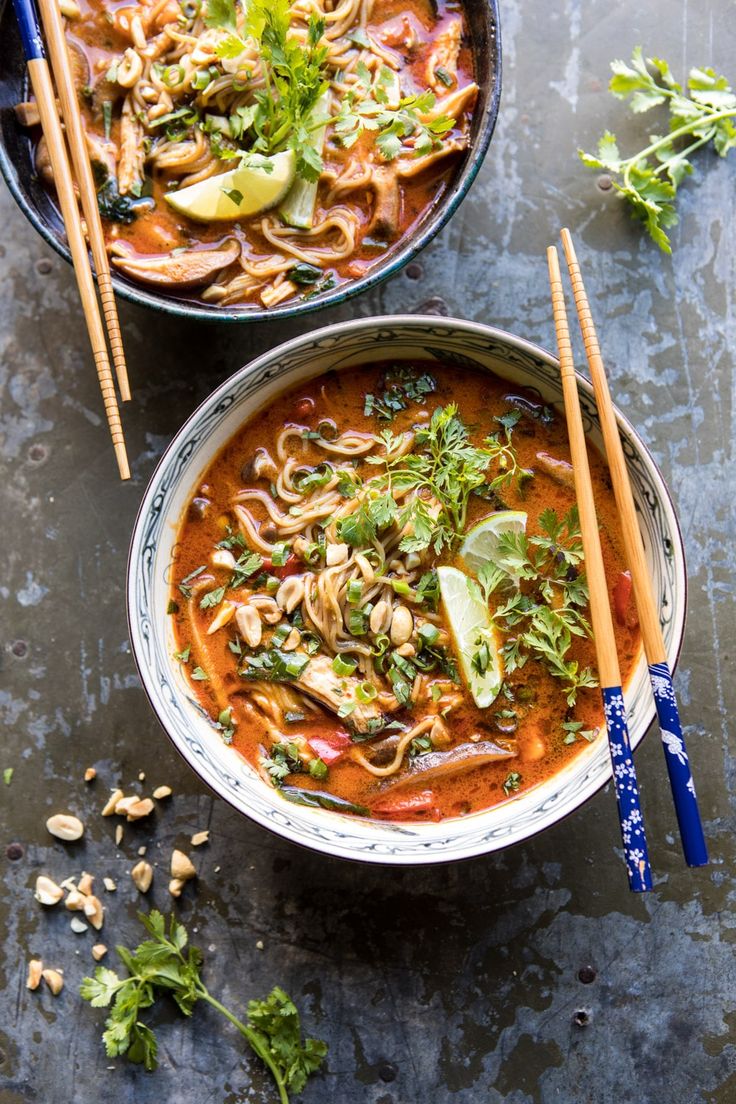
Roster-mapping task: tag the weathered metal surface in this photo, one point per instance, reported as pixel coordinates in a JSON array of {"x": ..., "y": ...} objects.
[{"x": 530, "y": 977}]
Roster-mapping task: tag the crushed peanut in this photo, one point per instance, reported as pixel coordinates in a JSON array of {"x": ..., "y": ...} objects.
[
  {"x": 78, "y": 925},
  {"x": 94, "y": 911},
  {"x": 162, "y": 791},
  {"x": 176, "y": 885},
  {"x": 86, "y": 883},
  {"x": 99, "y": 951},
  {"x": 109, "y": 885},
  {"x": 35, "y": 969},
  {"x": 182, "y": 867},
  {"x": 200, "y": 837},
  {"x": 142, "y": 875},
  {"x": 54, "y": 980},
  {"x": 109, "y": 807},
  {"x": 65, "y": 827},
  {"x": 119, "y": 835},
  {"x": 75, "y": 900},
  {"x": 90, "y": 774},
  {"x": 47, "y": 891},
  {"x": 140, "y": 808}
]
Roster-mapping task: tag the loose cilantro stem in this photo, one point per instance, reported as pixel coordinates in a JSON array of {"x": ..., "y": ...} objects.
[
  {"x": 687, "y": 128},
  {"x": 702, "y": 111},
  {"x": 253, "y": 1040}
]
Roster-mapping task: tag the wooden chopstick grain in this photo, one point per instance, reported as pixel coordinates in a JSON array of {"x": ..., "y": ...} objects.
[
  {"x": 609, "y": 674},
  {"x": 673, "y": 742},
  {"x": 59, "y": 57},
  {"x": 43, "y": 90}
]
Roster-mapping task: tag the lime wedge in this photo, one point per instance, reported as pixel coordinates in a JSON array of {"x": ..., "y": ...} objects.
[
  {"x": 474, "y": 636},
  {"x": 239, "y": 193},
  {"x": 481, "y": 543}
]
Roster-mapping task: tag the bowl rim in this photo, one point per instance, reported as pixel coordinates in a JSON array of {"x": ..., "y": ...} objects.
[
  {"x": 458, "y": 190},
  {"x": 279, "y": 352}
]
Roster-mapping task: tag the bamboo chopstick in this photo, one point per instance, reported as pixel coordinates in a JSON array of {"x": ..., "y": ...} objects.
[
  {"x": 624, "y": 772},
  {"x": 43, "y": 90},
  {"x": 673, "y": 743},
  {"x": 59, "y": 55}
]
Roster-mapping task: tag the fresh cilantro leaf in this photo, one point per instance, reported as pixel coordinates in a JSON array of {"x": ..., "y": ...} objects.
[
  {"x": 166, "y": 964},
  {"x": 701, "y": 114}
]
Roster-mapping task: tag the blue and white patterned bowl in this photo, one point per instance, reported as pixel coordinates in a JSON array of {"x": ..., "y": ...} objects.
[{"x": 336, "y": 348}]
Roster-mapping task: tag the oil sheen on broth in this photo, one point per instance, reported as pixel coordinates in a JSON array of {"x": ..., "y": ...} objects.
[
  {"x": 307, "y": 610},
  {"x": 175, "y": 93}
]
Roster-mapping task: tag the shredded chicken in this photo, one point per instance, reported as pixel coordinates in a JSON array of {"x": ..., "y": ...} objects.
[
  {"x": 130, "y": 166},
  {"x": 321, "y": 683},
  {"x": 444, "y": 54}
]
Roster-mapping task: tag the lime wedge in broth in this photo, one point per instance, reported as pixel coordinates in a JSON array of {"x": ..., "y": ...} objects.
[
  {"x": 242, "y": 192},
  {"x": 475, "y": 639}
]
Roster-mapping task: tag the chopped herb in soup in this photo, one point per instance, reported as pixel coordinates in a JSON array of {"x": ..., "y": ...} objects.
[{"x": 380, "y": 595}]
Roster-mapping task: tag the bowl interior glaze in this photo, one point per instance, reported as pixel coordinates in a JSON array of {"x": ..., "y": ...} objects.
[
  {"x": 213, "y": 424},
  {"x": 16, "y": 165}
]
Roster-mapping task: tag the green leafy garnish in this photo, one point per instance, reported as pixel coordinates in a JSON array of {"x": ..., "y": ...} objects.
[
  {"x": 166, "y": 965},
  {"x": 701, "y": 114},
  {"x": 504, "y": 455},
  {"x": 282, "y": 761},
  {"x": 401, "y": 386},
  {"x": 512, "y": 783},
  {"x": 8, "y": 775}
]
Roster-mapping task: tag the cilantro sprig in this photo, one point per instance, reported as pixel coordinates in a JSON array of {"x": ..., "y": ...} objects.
[
  {"x": 542, "y": 619},
  {"x": 285, "y": 112},
  {"x": 700, "y": 114},
  {"x": 166, "y": 964}
]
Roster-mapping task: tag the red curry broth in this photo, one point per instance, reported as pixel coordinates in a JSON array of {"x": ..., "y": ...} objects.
[{"x": 538, "y": 698}]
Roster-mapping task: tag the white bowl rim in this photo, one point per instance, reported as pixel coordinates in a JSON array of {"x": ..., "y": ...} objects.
[{"x": 278, "y": 352}]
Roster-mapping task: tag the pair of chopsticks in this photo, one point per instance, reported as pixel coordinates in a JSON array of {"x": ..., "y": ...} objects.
[
  {"x": 624, "y": 773},
  {"x": 43, "y": 89}
]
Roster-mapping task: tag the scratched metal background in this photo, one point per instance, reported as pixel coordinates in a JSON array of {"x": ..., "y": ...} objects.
[{"x": 530, "y": 977}]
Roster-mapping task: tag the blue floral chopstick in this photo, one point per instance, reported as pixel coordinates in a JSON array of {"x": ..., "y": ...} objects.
[
  {"x": 624, "y": 772},
  {"x": 673, "y": 743}
]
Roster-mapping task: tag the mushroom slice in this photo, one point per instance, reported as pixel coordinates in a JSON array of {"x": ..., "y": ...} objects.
[
  {"x": 176, "y": 271},
  {"x": 559, "y": 470},
  {"x": 385, "y": 220},
  {"x": 436, "y": 765}
]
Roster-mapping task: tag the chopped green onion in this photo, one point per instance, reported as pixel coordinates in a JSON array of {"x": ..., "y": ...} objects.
[
  {"x": 380, "y": 645},
  {"x": 272, "y": 584},
  {"x": 357, "y": 622},
  {"x": 428, "y": 633},
  {"x": 401, "y": 587},
  {"x": 280, "y": 634},
  {"x": 366, "y": 692},
  {"x": 355, "y": 590},
  {"x": 280, "y": 554},
  {"x": 318, "y": 768},
  {"x": 347, "y": 708},
  {"x": 199, "y": 675},
  {"x": 401, "y": 688},
  {"x": 342, "y": 666}
]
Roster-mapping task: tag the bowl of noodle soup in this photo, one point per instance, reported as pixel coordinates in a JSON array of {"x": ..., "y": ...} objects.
[
  {"x": 226, "y": 699},
  {"x": 234, "y": 184}
]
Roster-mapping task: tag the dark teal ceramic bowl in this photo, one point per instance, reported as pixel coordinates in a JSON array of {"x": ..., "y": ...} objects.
[{"x": 16, "y": 165}]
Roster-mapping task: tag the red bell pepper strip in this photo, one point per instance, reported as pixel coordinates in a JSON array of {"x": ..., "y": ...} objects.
[
  {"x": 400, "y": 806},
  {"x": 282, "y": 571},
  {"x": 330, "y": 746},
  {"x": 622, "y": 599}
]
